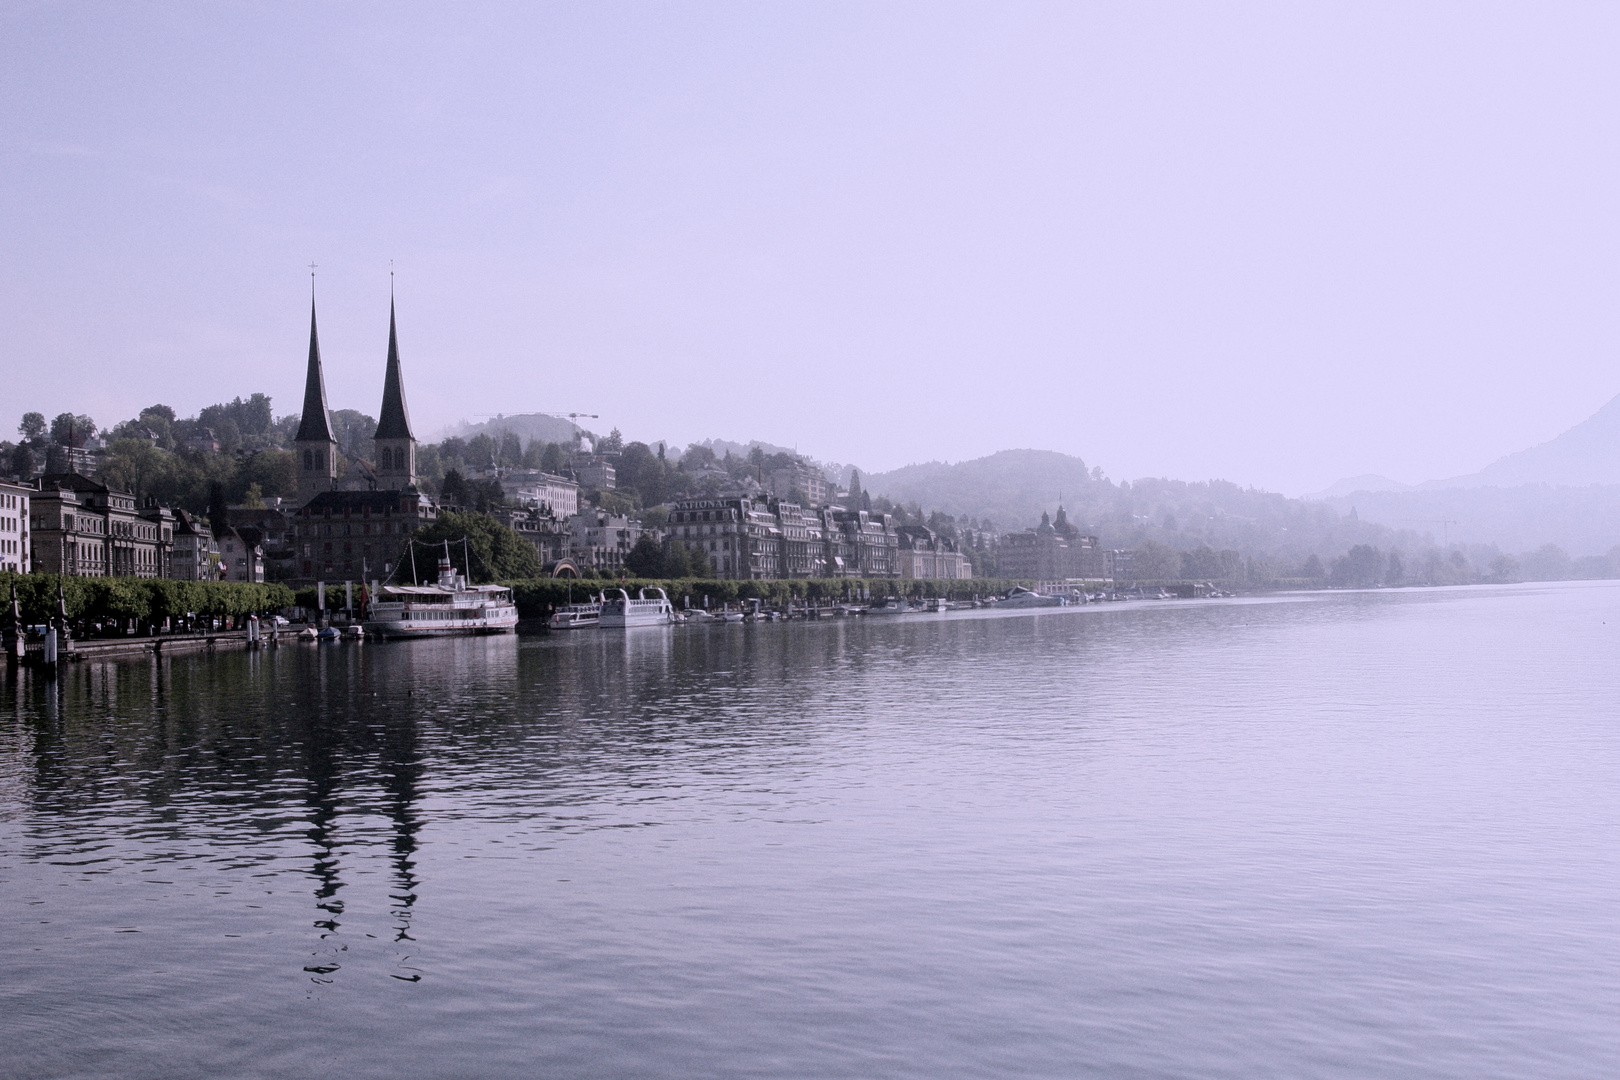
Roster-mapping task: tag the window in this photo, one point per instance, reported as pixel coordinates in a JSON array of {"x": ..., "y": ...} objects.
[{"x": 309, "y": 460}]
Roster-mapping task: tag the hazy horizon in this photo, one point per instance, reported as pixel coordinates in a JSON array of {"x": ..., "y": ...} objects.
[{"x": 1270, "y": 245}]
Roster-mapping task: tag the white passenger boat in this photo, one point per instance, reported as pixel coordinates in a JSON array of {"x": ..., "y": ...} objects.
[
  {"x": 646, "y": 610},
  {"x": 577, "y": 616},
  {"x": 450, "y": 606},
  {"x": 1020, "y": 597}
]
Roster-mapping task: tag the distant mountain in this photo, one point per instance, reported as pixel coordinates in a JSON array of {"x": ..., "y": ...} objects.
[
  {"x": 526, "y": 426},
  {"x": 1365, "y": 482},
  {"x": 1581, "y": 520},
  {"x": 1011, "y": 488},
  {"x": 1588, "y": 453}
]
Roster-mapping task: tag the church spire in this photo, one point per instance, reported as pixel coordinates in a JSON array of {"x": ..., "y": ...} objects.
[
  {"x": 394, "y": 422},
  {"x": 396, "y": 446},
  {"x": 314, "y": 425}
]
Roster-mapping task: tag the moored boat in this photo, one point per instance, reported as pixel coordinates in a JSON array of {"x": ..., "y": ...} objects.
[
  {"x": 621, "y": 611},
  {"x": 1020, "y": 597},
  {"x": 577, "y": 616},
  {"x": 448, "y": 607}
]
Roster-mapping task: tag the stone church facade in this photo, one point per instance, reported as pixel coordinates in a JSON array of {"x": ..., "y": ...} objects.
[{"x": 346, "y": 530}]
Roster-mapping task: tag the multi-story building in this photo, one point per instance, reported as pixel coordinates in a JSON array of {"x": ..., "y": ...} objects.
[
  {"x": 275, "y": 538},
  {"x": 357, "y": 535},
  {"x": 241, "y": 557},
  {"x": 923, "y": 553},
  {"x": 599, "y": 540},
  {"x": 549, "y": 533},
  {"x": 15, "y": 500},
  {"x": 747, "y": 538},
  {"x": 872, "y": 541},
  {"x": 596, "y": 473},
  {"x": 801, "y": 481},
  {"x": 1054, "y": 551},
  {"x": 84, "y": 528},
  {"x": 196, "y": 553},
  {"x": 739, "y": 535},
  {"x": 556, "y": 495}
]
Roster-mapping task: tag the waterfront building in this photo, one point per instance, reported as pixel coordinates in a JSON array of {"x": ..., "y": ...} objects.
[
  {"x": 84, "y": 528},
  {"x": 749, "y": 538},
  {"x": 871, "y": 540},
  {"x": 1054, "y": 551},
  {"x": 924, "y": 554},
  {"x": 739, "y": 534},
  {"x": 356, "y": 535},
  {"x": 195, "y": 555},
  {"x": 358, "y": 528},
  {"x": 15, "y": 503}
]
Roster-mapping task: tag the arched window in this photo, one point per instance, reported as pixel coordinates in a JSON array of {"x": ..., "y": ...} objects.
[
  {"x": 309, "y": 460},
  {"x": 387, "y": 458}
]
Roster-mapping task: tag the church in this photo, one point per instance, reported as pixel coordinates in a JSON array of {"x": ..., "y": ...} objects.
[{"x": 355, "y": 518}]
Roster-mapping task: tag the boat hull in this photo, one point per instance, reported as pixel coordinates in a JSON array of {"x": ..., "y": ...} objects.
[{"x": 416, "y": 630}]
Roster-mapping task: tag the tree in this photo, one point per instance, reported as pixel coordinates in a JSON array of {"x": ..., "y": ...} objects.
[
  {"x": 72, "y": 431},
  {"x": 1155, "y": 562},
  {"x": 646, "y": 559},
  {"x": 498, "y": 553},
  {"x": 23, "y": 461},
  {"x": 510, "y": 452},
  {"x": 32, "y": 428},
  {"x": 1312, "y": 569},
  {"x": 134, "y": 465},
  {"x": 1360, "y": 567},
  {"x": 453, "y": 491},
  {"x": 1396, "y": 571},
  {"x": 612, "y": 444}
]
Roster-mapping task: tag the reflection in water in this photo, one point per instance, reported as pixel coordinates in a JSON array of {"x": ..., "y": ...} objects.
[{"x": 1170, "y": 840}]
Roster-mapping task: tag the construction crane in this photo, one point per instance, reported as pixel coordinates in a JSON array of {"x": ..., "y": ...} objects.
[{"x": 557, "y": 415}]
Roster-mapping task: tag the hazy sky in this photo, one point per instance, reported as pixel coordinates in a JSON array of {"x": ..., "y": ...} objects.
[{"x": 1273, "y": 244}]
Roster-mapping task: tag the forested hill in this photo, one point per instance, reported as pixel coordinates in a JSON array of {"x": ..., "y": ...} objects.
[{"x": 1014, "y": 487}]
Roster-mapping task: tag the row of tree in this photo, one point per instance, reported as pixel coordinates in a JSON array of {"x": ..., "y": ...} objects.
[{"x": 145, "y": 600}]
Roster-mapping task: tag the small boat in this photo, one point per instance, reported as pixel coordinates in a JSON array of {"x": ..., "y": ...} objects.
[
  {"x": 891, "y": 606},
  {"x": 577, "y": 616},
  {"x": 328, "y": 633},
  {"x": 621, "y": 611},
  {"x": 449, "y": 607},
  {"x": 1020, "y": 597}
]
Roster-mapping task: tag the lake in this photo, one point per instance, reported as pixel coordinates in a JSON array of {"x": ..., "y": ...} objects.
[{"x": 1325, "y": 835}]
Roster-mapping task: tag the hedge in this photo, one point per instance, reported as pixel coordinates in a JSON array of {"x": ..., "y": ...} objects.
[{"x": 538, "y": 596}]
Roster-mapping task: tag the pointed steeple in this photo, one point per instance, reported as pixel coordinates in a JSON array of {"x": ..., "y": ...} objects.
[
  {"x": 394, "y": 422},
  {"x": 315, "y": 425}
]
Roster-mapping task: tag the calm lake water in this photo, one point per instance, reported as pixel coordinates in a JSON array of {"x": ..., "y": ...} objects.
[{"x": 1338, "y": 835}]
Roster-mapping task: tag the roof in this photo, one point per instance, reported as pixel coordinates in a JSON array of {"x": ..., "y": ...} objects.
[
  {"x": 315, "y": 425},
  {"x": 70, "y": 482},
  {"x": 394, "y": 422},
  {"x": 378, "y": 501}
]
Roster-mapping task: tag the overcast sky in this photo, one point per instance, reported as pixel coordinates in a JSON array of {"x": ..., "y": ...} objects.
[{"x": 1271, "y": 244}]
